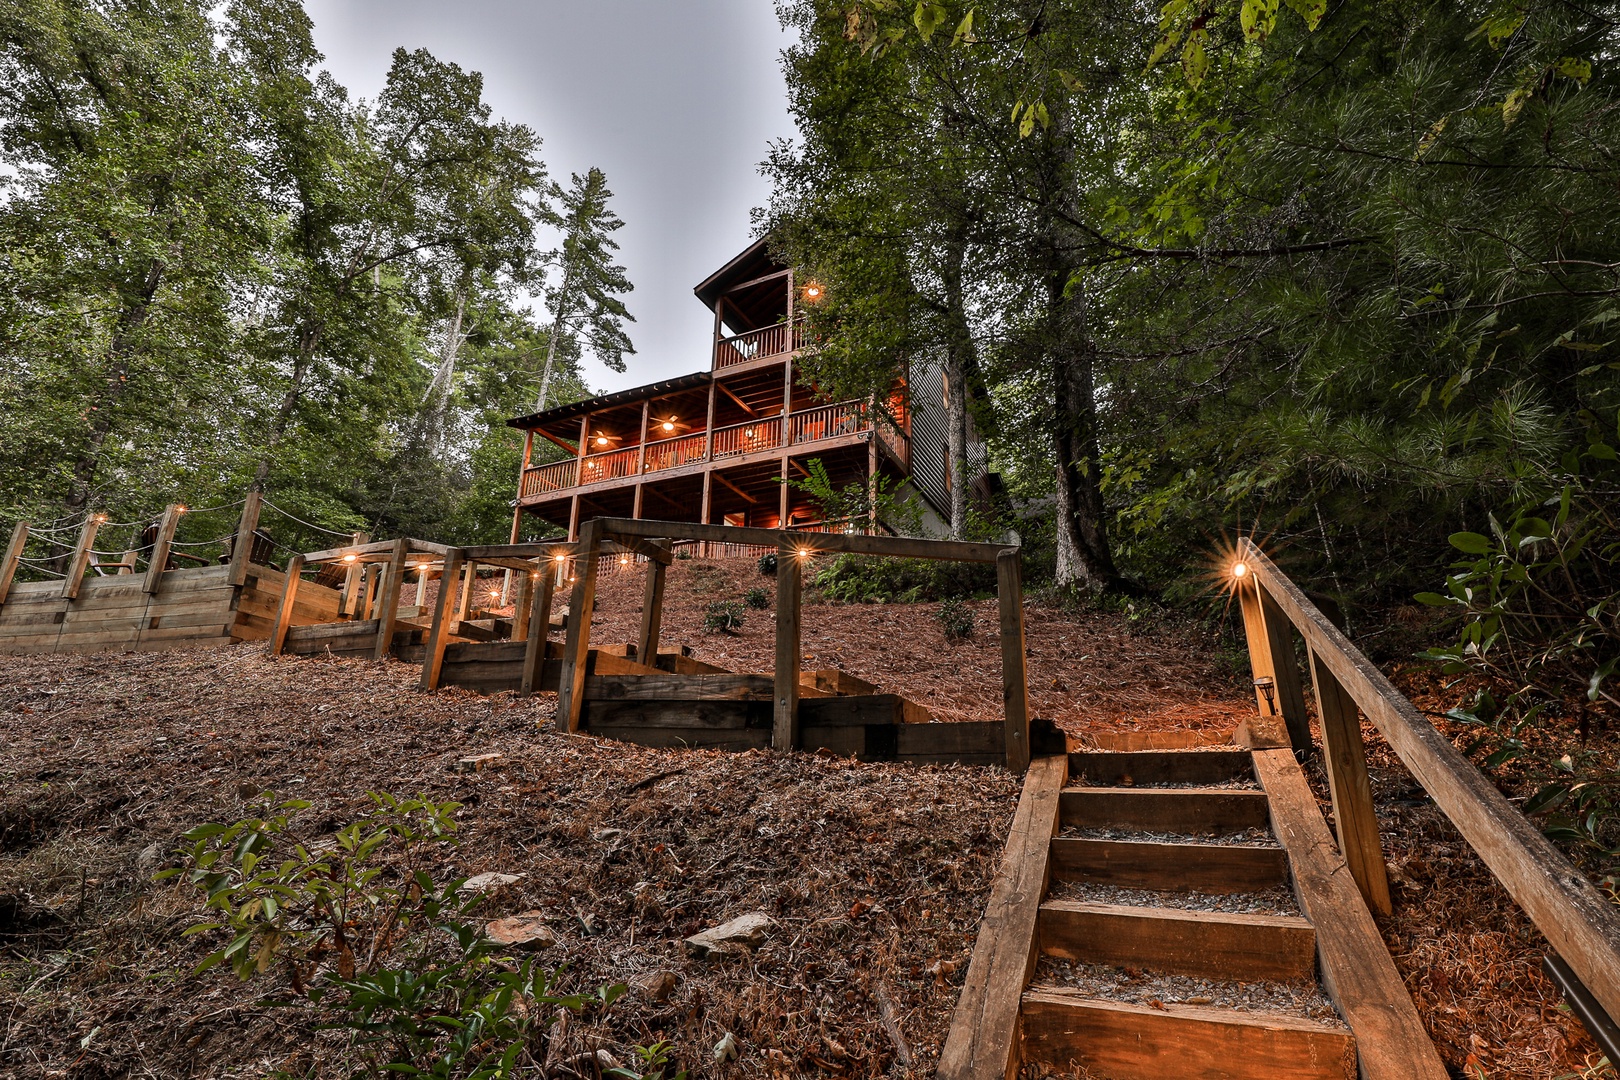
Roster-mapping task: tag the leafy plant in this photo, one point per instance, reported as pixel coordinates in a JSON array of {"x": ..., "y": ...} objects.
[
  {"x": 956, "y": 619},
  {"x": 372, "y": 942},
  {"x": 757, "y": 598},
  {"x": 767, "y": 564},
  {"x": 723, "y": 617},
  {"x": 866, "y": 579}
]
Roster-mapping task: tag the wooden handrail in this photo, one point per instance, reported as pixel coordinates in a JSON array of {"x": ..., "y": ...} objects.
[{"x": 1579, "y": 923}]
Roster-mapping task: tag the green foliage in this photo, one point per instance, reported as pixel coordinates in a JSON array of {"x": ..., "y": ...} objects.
[
  {"x": 767, "y": 564},
  {"x": 871, "y": 579},
  {"x": 373, "y": 944},
  {"x": 723, "y": 617},
  {"x": 956, "y": 619},
  {"x": 855, "y": 504},
  {"x": 757, "y": 598}
]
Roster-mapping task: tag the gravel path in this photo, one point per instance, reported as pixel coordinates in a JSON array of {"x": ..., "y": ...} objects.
[{"x": 1277, "y": 901}]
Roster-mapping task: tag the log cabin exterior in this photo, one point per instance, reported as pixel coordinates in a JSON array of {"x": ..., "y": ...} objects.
[{"x": 716, "y": 446}]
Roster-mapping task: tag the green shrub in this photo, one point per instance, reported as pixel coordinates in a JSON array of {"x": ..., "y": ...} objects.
[
  {"x": 723, "y": 617},
  {"x": 956, "y": 619},
  {"x": 757, "y": 598},
  {"x": 870, "y": 579},
  {"x": 370, "y": 941},
  {"x": 767, "y": 564}
]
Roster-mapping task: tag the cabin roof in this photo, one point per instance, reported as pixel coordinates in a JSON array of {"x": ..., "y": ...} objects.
[
  {"x": 608, "y": 401},
  {"x": 758, "y": 305}
]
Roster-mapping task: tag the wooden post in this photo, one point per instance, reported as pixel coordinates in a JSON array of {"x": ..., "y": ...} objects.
[
  {"x": 1346, "y": 758},
  {"x": 789, "y": 591},
  {"x": 289, "y": 596},
  {"x": 573, "y": 516},
  {"x": 782, "y": 507},
  {"x": 242, "y": 546},
  {"x": 1014, "y": 678},
  {"x": 708, "y": 430},
  {"x": 1271, "y": 657},
  {"x": 421, "y": 584},
  {"x": 159, "y": 559},
  {"x": 368, "y": 590},
  {"x": 439, "y": 636},
  {"x": 469, "y": 580},
  {"x": 652, "y": 611},
  {"x": 641, "y": 455},
  {"x": 351, "y": 580},
  {"x": 13, "y": 556},
  {"x": 534, "y": 652},
  {"x": 571, "y": 687},
  {"x": 388, "y": 598},
  {"x": 1285, "y": 670},
  {"x": 81, "y": 556},
  {"x": 520, "y": 604}
]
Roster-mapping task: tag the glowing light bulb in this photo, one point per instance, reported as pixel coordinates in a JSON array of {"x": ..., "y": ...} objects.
[
  {"x": 804, "y": 553},
  {"x": 562, "y": 558},
  {"x": 179, "y": 509},
  {"x": 350, "y": 557},
  {"x": 669, "y": 425},
  {"x": 601, "y": 440},
  {"x": 1239, "y": 569}
]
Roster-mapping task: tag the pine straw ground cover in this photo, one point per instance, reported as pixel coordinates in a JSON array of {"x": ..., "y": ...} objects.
[{"x": 876, "y": 874}]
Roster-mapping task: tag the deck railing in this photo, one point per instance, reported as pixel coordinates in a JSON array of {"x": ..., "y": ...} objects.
[
  {"x": 554, "y": 477},
  {"x": 758, "y": 344},
  {"x": 673, "y": 453},
  {"x": 748, "y": 437},
  {"x": 828, "y": 421},
  {"x": 595, "y": 468}
]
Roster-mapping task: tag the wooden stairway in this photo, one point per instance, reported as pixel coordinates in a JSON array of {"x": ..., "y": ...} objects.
[{"x": 1187, "y": 825}]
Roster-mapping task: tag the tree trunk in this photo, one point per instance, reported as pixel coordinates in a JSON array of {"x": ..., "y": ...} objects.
[
  {"x": 437, "y": 402},
  {"x": 1083, "y": 557},
  {"x": 959, "y": 358}
]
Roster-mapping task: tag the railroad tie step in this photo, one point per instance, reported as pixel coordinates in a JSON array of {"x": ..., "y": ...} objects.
[
  {"x": 1126, "y": 1041},
  {"x": 1169, "y": 866},
  {"x": 1190, "y": 811},
  {"x": 1176, "y": 941},
  {"x": 1138, "y": 767}
]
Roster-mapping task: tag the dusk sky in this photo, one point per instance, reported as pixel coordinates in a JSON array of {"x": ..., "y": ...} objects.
[{"x": 676, "y": 102}]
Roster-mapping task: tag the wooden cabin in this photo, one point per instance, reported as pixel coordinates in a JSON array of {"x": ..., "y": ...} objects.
[{"x": 715, "y": 446}]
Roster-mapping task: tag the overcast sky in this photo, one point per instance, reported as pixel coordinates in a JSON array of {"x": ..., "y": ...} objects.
[{"x": 675, "y": 101}]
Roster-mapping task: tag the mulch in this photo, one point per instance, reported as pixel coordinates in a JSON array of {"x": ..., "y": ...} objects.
[{"x": 876, "y": 874}]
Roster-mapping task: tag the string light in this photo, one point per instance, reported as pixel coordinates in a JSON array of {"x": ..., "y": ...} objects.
[
  {"x": 1239, "y": 569},
  {"x": 350, "y": 557}
]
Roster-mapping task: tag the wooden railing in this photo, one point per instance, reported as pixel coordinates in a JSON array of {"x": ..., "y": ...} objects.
[
  {"x": 595, "y": 468},
  {"x": 673, "y": 453},
  {"x": 758, "y": 344},
  {"x": 554, "y": 477},
  {"x": 1577, "y": 921},
  {"x": 748, "y": 437},
  {"x": 828, "y": 422}
]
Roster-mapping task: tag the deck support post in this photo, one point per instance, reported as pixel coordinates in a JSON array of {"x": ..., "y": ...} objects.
[
  {"x": 1272, "y": 657},
  {"x": 469, "y": 580},
  {"x": 242, "y": 546},
  {"x": 439, "y": 635},
  {"x": 81, "y": 556},
  {"x": 347, "y": 600},
  {"x": 789, "y": 592},
  {"x": 782, "y": 506},
  {"x": 159, "y": 560},
  {"x": 388, "y": 598},
  {"x": 576, "y": 651},
  {"x": 1014, "y": 677},
  {"x": 368, "y": 590},
  {"x": 13, "y": 557},
  {"x": 1346, "y": 759},
  {"x": 534, "y": 652},
  {"x": 652, "y": 611},
  {"x": 520, "y": 604},
  {"x": 284, "y": 613}
]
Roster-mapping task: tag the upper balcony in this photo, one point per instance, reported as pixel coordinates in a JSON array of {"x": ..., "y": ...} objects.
[
  {"x": 819, "y": 427},
  {"x": 768, "y": 344}
]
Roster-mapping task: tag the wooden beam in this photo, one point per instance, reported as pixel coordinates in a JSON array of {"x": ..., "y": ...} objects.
[
  {"x": 81, "y": 555},
  {"x": 1204, "y": 944},
  {"x": 571, "y": 689},
  {"x": 469, "y": 581},
  {"x": 639, "y": 545},
  {"x": 573, "y": 450},
  {"x": 852, "y": 543},
  {"x": 983, "y": 1041},
  {"x": 782, "y": 494},
  {"x": 439, "y": 635},
  {"x": 13, "y": 557},
  {"x": 747, "y": 408},
  {"x": 242, "y": 546},
  {"x": 349, "y": 598},
  {"x": 1161, "y": 767},
  {"x": 756, "y": 281},
  {"x": 1285, "y": 669},
  {"x": 289, "y": 596},
  {"x": 735, "y": 488},
  {"x": 158, "y": 562},
  {"x": 1357, "y": 971},
  {"x": 368, "y": 590},
  {"x": 1014, "y": 678},
  {"x": 393, "y": 579},
  {"x": 379, "y": 547},
  {"x": 1579, "y": 923},
  {"x": 1170, "y": 867},
  {"x": 1141, "y": 1042},
  {"x": 534, "y": 649},
  {"x": 785, "y": 698},
  {"x": 539, "y": 549},
  {"x": 652, "y": 608},
  {"x": 520, "y": 603},
  {"x": 1188, "y": 811},
  {"x": 1353, "y": 814}
]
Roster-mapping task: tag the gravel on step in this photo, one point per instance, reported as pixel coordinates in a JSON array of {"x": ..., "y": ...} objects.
[
  {"x": 1303, "y": 998},
  {"x": 1250, "y": 837},
  {"x": 1275, "y": 901},
  {"x": 1237, "y": 784}
]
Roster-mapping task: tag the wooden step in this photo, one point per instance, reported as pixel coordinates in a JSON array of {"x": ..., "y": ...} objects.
[
  {"x": 1154, "y": 864},
  {"x": 1189, "y": 1042},
  {"x": 1190, "y": 811},
  {"x": 1161, "y": 767},
  {"x": 1207, "y": 944}
]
